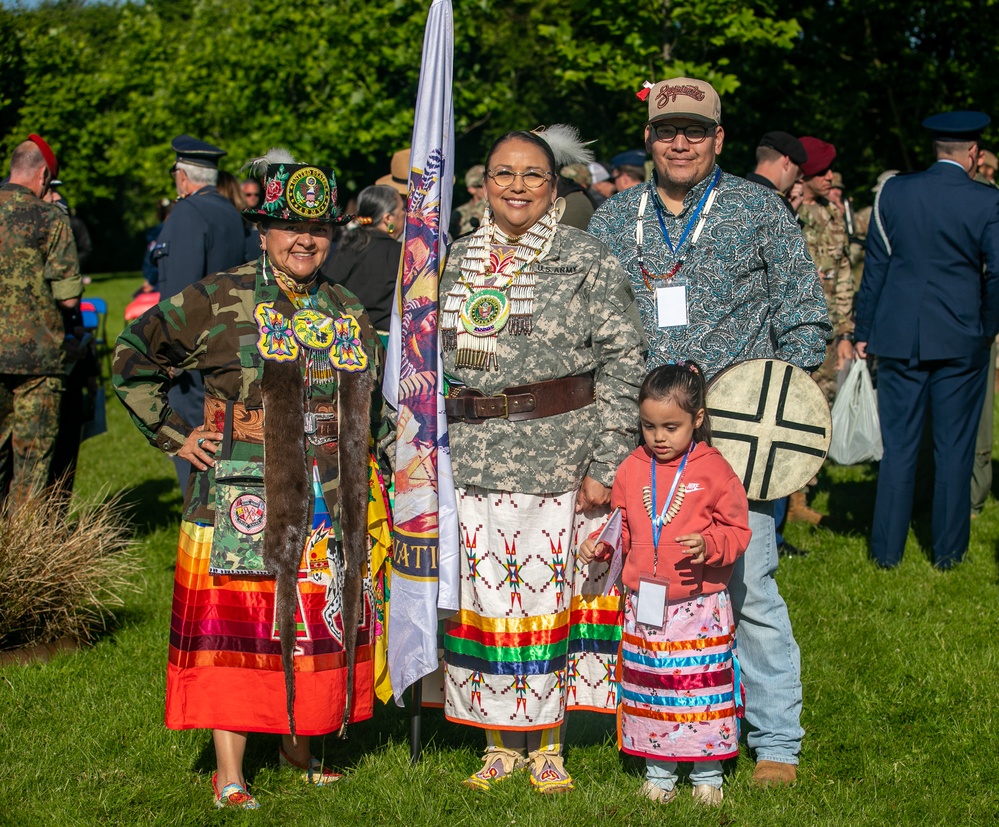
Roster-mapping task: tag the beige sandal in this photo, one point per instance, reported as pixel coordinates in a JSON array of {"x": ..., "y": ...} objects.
[{"x": 498, "y": 764}]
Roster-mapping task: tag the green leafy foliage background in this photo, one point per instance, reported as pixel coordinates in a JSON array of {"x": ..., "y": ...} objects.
[{"x": 110, "y": 84}]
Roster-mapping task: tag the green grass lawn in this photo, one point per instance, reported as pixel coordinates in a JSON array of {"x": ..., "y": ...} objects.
[{"x": 901, "y": 690}]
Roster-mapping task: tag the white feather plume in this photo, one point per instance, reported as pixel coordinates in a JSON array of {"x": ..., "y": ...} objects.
[
  {"x": 565, "y": 143},
  {"x": 274, "y": 155}
]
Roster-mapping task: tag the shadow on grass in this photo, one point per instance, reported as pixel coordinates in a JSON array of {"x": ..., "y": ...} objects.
[
  {"x": 851, "y": 502},
  {"x": 392, "y": 724},
  {"x": 153, "y": 504}
]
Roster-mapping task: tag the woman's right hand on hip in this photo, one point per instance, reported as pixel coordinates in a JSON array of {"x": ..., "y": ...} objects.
[{"x": 200, "y": 447}]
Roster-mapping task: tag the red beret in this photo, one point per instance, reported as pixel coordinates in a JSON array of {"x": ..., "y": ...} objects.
[
  {"x": 47, "y": 153},
  {"x": 820, "y": 156}
]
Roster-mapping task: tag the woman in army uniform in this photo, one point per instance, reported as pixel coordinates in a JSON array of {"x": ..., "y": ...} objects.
[
  {"x": 544, "y": 354},
  {"x": 268, "y": 611}
]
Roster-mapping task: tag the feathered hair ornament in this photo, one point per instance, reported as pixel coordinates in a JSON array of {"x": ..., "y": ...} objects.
[
  {"x": 565, "y": 144},
  {"x": 274, "y": 155}
]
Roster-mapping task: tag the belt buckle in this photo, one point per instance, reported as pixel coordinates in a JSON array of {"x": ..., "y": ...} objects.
[{"x": 506, "y": 405}]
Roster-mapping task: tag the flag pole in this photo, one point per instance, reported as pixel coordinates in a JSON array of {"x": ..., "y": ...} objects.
[
  {"x": 415, "y": 722},
  {"x": 426, "y": 557}
]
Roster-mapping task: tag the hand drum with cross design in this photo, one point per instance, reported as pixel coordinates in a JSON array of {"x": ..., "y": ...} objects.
[{"x": 771, "y": 422}]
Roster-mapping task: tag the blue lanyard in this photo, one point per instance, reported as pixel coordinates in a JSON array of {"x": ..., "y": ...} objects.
[
  {"x": 659, "y": 521},
  {"x": 693, "y": 218}
]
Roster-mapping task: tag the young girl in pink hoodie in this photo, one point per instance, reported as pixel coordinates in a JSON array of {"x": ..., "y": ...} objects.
[{"x": 685, "y": 522}]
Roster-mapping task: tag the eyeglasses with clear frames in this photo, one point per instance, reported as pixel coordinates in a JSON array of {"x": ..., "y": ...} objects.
[
  {"x": 694, "y": 133},
  {"x": 532, "y": 178}
]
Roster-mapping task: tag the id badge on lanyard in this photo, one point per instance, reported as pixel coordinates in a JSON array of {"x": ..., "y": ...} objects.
[
  {"x": 653, "y": 593},
  {"x": 671, "y": 303},
  {"x": 671, "y": 298}
]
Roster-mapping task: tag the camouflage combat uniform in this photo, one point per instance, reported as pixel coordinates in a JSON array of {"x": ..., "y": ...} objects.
[
  {"x": 825, "y": 232},
  {"x": 861, "y": 221},
  {"x": 210, "y": 327},
  {"x": 585, "y": 319},
  {"x": 38, "y": 269},
  {"x": 517, "y": 484},
  {"x": 468, "y": 211}
]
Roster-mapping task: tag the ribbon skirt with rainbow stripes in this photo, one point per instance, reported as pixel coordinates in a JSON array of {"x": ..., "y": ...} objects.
[
  {"x": 535, "y": 635},
  {"x": 678, "y": 684},
  {"x": 224, "y": 669}
]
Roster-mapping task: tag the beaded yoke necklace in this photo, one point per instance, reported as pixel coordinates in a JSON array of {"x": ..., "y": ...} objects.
[{"x": 481, "y": 303}]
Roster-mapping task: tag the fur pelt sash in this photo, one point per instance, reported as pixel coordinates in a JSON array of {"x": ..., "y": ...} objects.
[
  {"x": 355, "y": 428},
  {"x": 287, "y": 492}
]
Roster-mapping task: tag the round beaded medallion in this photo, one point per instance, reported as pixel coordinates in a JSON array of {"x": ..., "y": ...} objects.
[{"x": 485, "y": 312}]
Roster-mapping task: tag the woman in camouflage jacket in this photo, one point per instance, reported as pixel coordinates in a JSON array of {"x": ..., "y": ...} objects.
[
  {"x": 271, "y": 628},
  {"x": 544, "y": 352}
]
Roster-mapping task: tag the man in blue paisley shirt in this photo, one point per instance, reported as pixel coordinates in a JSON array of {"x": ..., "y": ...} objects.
[{"x": 722, "y": 274}]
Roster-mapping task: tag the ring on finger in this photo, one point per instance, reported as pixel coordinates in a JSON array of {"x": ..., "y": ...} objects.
[{"x": 201, "y": 441}]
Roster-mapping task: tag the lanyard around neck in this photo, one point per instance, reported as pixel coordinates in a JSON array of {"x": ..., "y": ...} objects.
[
  {"x": 698, "y": 217},
  {"x": 658, "y": 521}
]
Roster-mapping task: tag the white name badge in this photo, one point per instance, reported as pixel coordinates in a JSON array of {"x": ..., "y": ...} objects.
[
  {"x": 652, "y": 593},
  {"x": 671, "y": 306}
]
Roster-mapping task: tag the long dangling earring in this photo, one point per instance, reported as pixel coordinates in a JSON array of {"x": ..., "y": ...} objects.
[{"x": 263, "y": 265}]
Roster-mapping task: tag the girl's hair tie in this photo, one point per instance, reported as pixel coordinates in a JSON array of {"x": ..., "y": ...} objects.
[{"x": 364, "y": 220}]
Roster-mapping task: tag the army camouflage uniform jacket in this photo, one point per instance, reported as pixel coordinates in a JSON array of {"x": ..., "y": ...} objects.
[
  {"x": 210, "y": 327},
  {"x": 38, "y": 269},
  {"x": 824, "y": 229},
  {"x": 585, "y": 319}
]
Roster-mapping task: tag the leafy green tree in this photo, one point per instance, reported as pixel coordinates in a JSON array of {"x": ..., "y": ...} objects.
[{"x": 110, "y": 84}]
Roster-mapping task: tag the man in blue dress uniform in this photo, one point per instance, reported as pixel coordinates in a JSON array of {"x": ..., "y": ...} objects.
[
  {"x": 928, "y": 307},
  {"x": 204, "y": 234}
]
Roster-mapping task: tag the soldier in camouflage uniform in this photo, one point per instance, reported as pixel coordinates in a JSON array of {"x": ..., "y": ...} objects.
[
  {"x": 981, "y": 476},
  {"x": 544, "y": 352},
  {"x": 471, "y": 212},
  {"x": 825, "y": 232},
  {"x": 856, "y": 226},
  {"x": 272, "y": 551},
  {"x": 39, "y": 278}
]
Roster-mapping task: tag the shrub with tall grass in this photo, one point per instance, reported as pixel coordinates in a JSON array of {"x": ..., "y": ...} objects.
[{"x": 62, "y": 570}]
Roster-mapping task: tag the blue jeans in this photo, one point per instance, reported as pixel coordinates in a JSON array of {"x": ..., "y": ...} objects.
[
  {"x": 768, "y": 653},
  {"x": 663, "y": 773}
]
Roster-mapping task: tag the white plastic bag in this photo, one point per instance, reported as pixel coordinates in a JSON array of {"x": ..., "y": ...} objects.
[{"x": 856, "y": 431}]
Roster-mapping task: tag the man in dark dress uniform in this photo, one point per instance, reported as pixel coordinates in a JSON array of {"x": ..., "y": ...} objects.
[
  {"x": 204, "y": 234},
  {"x": 928, "y": 307}
]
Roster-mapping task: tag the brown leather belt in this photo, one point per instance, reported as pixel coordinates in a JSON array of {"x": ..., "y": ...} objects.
[
  {"x": 534, "y": 401},
  {"x": 248, "y": 424}
]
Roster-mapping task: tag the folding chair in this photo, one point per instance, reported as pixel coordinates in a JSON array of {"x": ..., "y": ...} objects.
[{"x": 95, "y": 319}]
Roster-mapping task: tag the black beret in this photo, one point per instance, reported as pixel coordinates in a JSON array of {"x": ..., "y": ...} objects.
[{"x": 787, "y": 145}]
